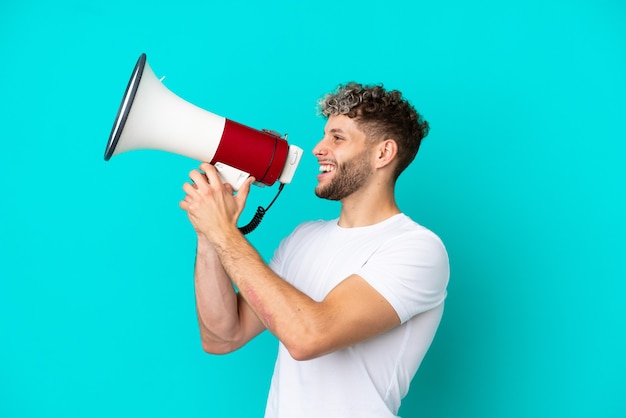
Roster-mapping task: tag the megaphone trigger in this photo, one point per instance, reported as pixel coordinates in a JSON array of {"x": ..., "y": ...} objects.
[{"x": 231, "y": 175}]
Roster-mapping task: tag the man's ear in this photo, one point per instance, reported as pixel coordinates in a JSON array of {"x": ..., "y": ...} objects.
[{"x": 386, "y": 152}]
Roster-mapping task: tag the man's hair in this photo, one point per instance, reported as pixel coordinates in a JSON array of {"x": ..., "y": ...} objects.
[{"x": 381, "y": 114}]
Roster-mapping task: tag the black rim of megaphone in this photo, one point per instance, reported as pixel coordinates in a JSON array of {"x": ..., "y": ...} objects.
[{"x": 124, "y": 110}]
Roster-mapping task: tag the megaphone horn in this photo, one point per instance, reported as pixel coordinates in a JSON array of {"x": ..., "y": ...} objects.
[{"x": 152, "y": 117}]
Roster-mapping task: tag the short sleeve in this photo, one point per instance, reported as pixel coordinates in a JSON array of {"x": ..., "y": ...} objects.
[{"x": 411, "y": 271}]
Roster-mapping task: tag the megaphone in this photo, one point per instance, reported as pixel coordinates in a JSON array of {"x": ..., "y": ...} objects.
[{"x": 152, "y": 117}]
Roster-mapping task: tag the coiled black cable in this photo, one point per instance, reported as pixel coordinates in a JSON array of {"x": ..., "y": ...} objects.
[{"x": 260, "y": 213}]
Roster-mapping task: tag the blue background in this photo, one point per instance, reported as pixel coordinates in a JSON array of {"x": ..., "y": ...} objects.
[{"x": 522, "y": 176}]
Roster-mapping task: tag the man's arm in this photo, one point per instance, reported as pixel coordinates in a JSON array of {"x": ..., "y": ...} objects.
[
  {"x": 225, "y": 318},
  {"x": 352, "y": 312}
]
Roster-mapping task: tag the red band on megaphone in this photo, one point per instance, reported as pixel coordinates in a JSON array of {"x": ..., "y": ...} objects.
[{"x": 261, "y": 154}]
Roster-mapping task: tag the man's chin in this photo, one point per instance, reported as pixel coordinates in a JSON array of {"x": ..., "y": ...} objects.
[
  {"x": 324, "y": 193},
  {"x": 319, "y": 192}
]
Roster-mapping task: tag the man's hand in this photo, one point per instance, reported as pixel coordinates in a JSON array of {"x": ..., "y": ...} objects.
[{"x": 213, "y": 208}]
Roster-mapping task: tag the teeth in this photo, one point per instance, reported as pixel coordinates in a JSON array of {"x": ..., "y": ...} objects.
[{"x": 325, "y": 168}]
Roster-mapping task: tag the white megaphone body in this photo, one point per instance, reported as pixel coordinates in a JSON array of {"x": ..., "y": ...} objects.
[{"x": 152, "y": 117}]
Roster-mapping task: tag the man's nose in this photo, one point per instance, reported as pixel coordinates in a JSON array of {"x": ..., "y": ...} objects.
[{"x": 319, "y": 149}]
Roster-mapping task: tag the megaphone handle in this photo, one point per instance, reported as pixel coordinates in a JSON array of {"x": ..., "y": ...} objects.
[{"x": 231, "y": 175}]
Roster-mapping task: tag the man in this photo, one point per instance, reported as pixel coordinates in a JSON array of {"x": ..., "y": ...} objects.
[{"x": 355, "y": 301}]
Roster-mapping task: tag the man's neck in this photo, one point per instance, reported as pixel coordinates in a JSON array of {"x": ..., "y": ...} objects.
[{"x": 364, "y": 208}]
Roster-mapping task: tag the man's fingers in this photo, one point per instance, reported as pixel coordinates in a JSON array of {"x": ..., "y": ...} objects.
[
  {"x": 229, "y": 188},
  {"x": 211, "y": 174},
  {"x": 189, "y": 188},
  {"x": 199, "y": 179},
  {"x": 242, "y": 194}
]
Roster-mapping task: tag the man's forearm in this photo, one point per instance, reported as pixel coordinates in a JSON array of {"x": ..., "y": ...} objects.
[
  {"x": 289, "y": 314},
  {"x": 216, "y": 300}
]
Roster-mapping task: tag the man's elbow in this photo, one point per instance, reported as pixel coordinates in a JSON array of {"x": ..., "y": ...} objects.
[
  {"x": 302, "y": 354},
  {"x": 307, "y": 348},
  {"x": 211, "y": 346},
  {"x": 214, "y": 349}
]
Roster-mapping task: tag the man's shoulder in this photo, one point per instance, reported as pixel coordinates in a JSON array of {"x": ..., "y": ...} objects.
[
  {"x": 402, "y": 225},
  {"x": 313, "y": 226}
]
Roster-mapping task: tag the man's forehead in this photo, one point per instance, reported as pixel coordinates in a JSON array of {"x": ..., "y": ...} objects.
[{"x": 342, "y": 124}]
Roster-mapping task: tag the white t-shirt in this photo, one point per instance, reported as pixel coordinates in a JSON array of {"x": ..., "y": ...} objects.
[{"x": 408, "y": 265}]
